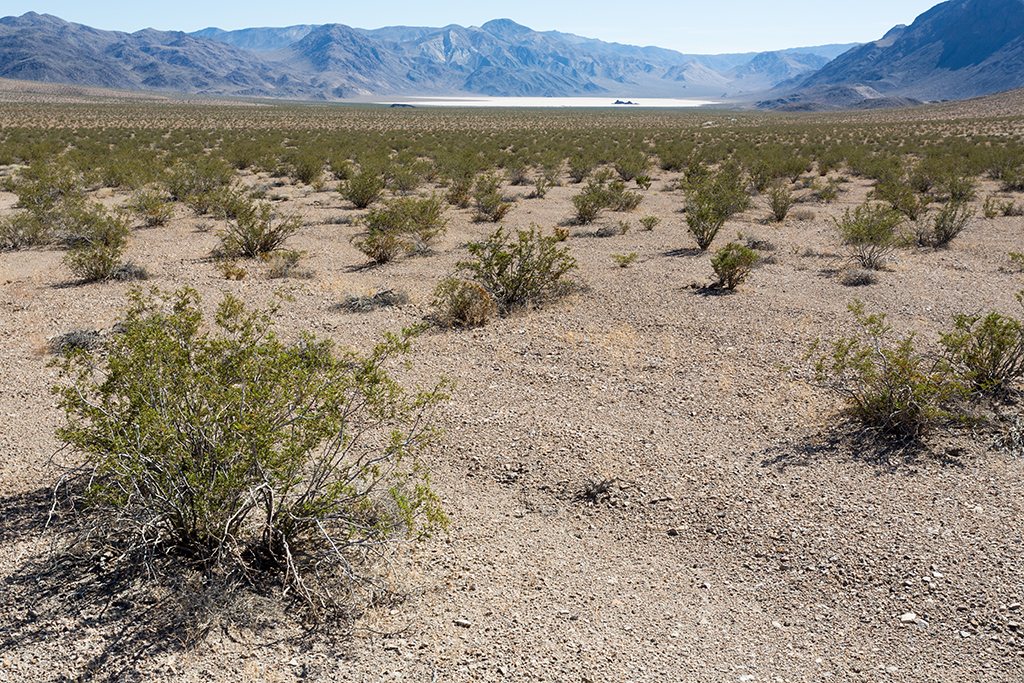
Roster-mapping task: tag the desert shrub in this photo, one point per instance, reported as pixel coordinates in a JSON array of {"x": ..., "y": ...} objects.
[
  {"x": 624, "y": 260},
  {"x": 259, "y": 231},
  {"x": 151, "y": 207},
  {"x": 425, "y": 218},
  {"x": 631, "y": 164},
  {"x": 580, "y": 166},
  {"x": 76, "y": 340},
  {"x": 282, "y": 264},
  {"x": 188, "y": 181},
  {"x": 381, "y": 246},
  {"x": 858, "y": 277},
  {"x": 733, "y": 263},
  {"x": 53, "y": 198},
  {"x": 540, "y": 187},
  {"x": 901, "y": 197},
  {"x": 649, "y": 222},
  {"x": 383, "y": 299},
  {"x": 462, "y": 302},
  {"x": 890, "y": 388},
  {"x": 521, "y": 269},
  {"x": 363, "y": 188},
  {"x": 490, "y": 205},
  {"x": 618, "y": 198},
  {"x": 780, "y": 199},
  {"x": 307, "y": 167},
  {"x": 620, "y": 228},
  {"x": 589, "y": 203},
  {"x": 869, "y": 233},
  {"x": 100, "y": 239},
  {"x": 803, "y": 215},
  {"x": 939, "y": 229},
  {"x": 515, "y": 171},
  {"x": 990, "y": 207},
  {"x": 711, "y": 199},
  {"x": 987, "y": 351},
  {"x": 235, "y": 454}
]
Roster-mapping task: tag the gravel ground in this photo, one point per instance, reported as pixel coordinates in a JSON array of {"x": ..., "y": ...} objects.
[{"x": 747, "y": 531}]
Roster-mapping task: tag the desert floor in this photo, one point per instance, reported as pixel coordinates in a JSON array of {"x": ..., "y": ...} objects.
[{"x": 749, "y": 533}]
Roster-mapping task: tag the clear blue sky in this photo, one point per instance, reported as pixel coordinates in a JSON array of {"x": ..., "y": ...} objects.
[{"x": 705, "y": 27}]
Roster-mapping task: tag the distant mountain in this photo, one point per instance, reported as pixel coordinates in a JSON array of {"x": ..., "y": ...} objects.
[
  {"x": 258, "y": 39},
  {"x": 334, "y": 61},
  {"x": 955, "y": 50}
]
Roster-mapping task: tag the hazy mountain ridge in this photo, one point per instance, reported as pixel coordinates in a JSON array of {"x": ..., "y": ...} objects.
[
  {"x": 959, "y": 48},
  {"x": 955, "y": 50}
]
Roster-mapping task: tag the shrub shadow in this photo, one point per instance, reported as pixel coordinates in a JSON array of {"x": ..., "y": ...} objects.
[
  {"x": 847, "y": 441},
  {"x": 61, "y": 596}
]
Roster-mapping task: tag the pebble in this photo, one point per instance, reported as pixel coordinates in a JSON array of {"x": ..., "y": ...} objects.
[
  {"x": 464, "y": 623},
  {"x": 908, "y": 618}
]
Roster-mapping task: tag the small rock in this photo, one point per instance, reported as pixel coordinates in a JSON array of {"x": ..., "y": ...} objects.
[
  {"x": 463, "y": 623},
  {"x": 776, "y": 624},
  {"x": 706, "y": 585},
  {"x": 1013, "y": 606},
  {"x": 673, "y": 532},
  {"x": 908, "y": 618}
]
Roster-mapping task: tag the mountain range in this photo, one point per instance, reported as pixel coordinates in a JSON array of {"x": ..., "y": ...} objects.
[
  {"x": 957, "y": 49},
  {"x": 334, "y": 61}
]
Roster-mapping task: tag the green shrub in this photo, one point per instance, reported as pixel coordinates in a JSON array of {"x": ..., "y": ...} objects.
[
  {"x": 780, "y": 199},
  {"x": 624, "y": 260},
  {"x": 589, "y": 203},
  {"x": 631, "y": 164},
  {"x": 363, "y": 188},
  {"x": 53, "y": 198},
  {"x": 618, "y": 198},
  {"x": 939, "y": 229},
  {"x": 100, "y": 240},
  {"x": 188, "y": 181},
  {"x": 463, "y": 303},
  {"x": 711, "y": 198},
  {"x": 490, "y": 205},
  {"x": 282, "y": 264},
  {"x": 519, "y": 270},
  {"x": 733, "y": 263},
  {"x": 870, "y": 233},
  {"x": 580, "y": 166},
  {"x": 893, "y": 389},
  {"x": 649, "y": 222},
  {"x": 988, "y": 352},
  {"x": 425, "y": 218},
  {"x": 257, "y": 232},
  {"x": 151, "y": 206},
  {"x": 235, "y": 454}
]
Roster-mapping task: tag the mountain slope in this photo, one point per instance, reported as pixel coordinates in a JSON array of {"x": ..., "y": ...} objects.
[
  {"x": 332, "y": 61},
  {"x": 957, "y": 49}
]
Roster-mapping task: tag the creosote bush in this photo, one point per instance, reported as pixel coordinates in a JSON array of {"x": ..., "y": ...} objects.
[
  {"x": 733, "y": 263},
  {"x": 894, "y": 389},
  {"x": 869, "y": 233},
  {"x": 938, "y": 229},
  {"x": 711, "y": 198},
  {"x": 462, "y": 302},
  {"x": 234, "y": 454},
  {"x": 987, "y": 351},
  {"x": 99, "y": 240},
  {"x": 521, "y": 269},
  {"x": 258, "y": 231},
  {"x": 363, "y": 188}
]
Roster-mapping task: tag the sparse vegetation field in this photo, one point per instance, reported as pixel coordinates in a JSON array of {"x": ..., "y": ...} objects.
[{"x": 728, "y": 393}]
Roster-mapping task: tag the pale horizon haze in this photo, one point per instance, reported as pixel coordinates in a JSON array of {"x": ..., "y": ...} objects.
[{"x": 690, "y": 27}]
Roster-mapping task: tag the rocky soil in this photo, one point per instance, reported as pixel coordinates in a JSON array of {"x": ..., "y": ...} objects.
[{"x": 738, "y": 527}]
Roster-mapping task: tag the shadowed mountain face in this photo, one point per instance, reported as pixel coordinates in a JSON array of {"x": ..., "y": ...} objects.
[
  {"x": 957, "y": 49},
  {"x": 332, "y": 61}
]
